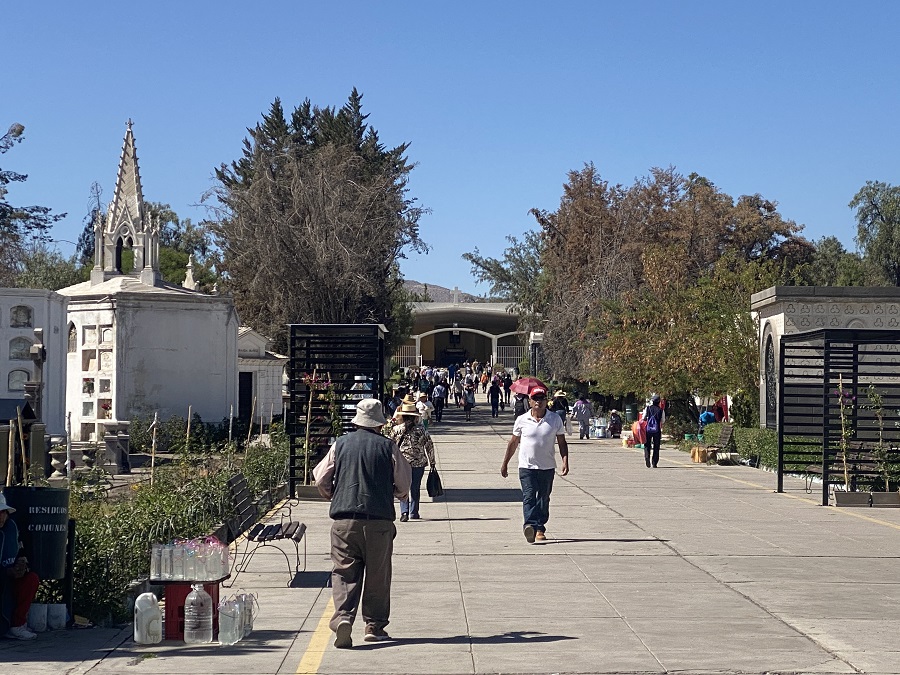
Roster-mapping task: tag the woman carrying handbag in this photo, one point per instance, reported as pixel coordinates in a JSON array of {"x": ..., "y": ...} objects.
[{"x": 417, "y": 447}]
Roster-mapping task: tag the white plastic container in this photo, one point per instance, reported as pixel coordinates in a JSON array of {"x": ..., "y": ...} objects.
[{"x": 147, "y": 620}]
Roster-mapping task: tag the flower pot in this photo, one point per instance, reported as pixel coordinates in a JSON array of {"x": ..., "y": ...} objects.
[{"x": 852, "y": 498}]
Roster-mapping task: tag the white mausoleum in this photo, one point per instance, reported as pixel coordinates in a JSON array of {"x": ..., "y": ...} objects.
[
  {"x": 135, "y": 344},
  {"x": 260, "y": 377},
  {"x": 22, "y": 310}
]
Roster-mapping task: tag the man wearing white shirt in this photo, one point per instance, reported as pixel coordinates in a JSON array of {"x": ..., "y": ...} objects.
[{"x": 534, "y": 434}]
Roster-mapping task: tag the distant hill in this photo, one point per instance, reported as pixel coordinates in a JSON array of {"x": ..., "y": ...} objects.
[{"x": 438, "y": 293}]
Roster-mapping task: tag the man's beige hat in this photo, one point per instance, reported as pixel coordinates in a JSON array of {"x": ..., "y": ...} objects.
[{"x": 369, "y": 414}]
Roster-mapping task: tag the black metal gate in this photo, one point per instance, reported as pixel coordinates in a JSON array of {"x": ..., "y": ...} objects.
[
  {"x": 332, "y": 366},
  {"x": 839, "y": 398}
]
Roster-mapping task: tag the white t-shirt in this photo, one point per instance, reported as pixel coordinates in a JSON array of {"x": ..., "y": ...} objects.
[
  {"x": 425, "y": 408},
  {"x": 537, "y": 438}
]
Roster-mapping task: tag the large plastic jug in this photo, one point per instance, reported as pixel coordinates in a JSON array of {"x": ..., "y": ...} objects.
[
  {"x": 198, "y": 616},
  {"x": 147, "y": 620}
]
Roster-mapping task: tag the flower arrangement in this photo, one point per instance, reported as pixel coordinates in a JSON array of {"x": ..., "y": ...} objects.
[{"x": 321, "y": 389}]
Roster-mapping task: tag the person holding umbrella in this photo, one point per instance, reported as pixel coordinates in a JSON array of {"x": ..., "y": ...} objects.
[{"x": 534, "y": 434}]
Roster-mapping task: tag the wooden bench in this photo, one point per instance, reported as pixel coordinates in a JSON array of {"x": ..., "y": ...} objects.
[
  {"x": 723, "y": 446},
  {"x": 250, "y": 535}
]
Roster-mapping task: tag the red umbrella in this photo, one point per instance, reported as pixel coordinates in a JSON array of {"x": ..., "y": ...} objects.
[{"x": 524, "y": 385}]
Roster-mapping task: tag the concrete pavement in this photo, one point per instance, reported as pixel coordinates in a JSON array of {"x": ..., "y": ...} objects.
[{"x": 689, "y": 568}]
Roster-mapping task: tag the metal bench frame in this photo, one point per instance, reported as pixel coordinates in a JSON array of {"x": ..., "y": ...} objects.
[{"x": 252, "y": 535}]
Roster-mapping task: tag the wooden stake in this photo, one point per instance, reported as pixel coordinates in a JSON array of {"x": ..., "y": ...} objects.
[
  {"x": 22, "y": 443},
  {"x": 252, "y": 413},
  {"x": 312, "y": 391},
  {"x": 187, "y": 438},
  {"x": 11, "y": 468},
  {"x": 153, "y": 446}
]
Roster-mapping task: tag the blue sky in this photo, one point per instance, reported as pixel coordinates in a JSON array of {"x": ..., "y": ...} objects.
[{"x": 797, "y": 101}]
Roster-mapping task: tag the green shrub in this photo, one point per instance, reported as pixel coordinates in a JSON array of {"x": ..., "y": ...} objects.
[
  {"x": 756, "y": 442},
  {"x": 266, "y": 466},
  {"x": 114, "y": 534}
]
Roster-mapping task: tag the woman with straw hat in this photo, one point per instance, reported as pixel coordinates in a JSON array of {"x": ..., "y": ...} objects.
[{"x": 417, "y": 447}]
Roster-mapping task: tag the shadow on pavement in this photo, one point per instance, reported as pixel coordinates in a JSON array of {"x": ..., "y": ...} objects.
[
  {"x": 310, "y": 580},
  {"x": 482, "y": 495},
  {"x": 458, "y": 520},
  {"x": 511, "y": 637},
  {"x": 624, "y": 541}
]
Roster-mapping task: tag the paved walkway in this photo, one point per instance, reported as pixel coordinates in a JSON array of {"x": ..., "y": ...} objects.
[{"x": 690, "y": 568}]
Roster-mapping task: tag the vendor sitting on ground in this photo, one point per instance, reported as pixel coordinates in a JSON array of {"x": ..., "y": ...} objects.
[{"x": 17, "y": 584}]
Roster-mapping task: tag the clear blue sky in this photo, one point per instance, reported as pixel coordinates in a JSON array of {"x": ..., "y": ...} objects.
[{"x": 797, "y": 101}]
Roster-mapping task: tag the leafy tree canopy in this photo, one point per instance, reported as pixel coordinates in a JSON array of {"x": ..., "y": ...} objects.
[
  {"x": 18, "y": 224},
  {"x": 877, "y": 207}
]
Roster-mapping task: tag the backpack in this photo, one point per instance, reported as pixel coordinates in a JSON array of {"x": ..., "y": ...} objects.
[
  {"x": 519, "y": 408},
  {"x": 652, "y": 423}
]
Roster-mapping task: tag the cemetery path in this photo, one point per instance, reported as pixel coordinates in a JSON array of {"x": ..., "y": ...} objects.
[{"x": 686, "y": 567}]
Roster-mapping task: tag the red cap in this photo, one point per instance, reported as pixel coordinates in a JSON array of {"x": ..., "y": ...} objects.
[{"x": 537, "y": 390}]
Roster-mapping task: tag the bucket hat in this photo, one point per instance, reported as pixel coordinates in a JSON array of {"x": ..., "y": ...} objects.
[
  {"x": 4, "y": 506},
  {"x": 369, "y": 414}
]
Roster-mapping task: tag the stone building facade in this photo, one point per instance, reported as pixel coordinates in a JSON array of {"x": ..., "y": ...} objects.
[{"x": 789, "y": 310}]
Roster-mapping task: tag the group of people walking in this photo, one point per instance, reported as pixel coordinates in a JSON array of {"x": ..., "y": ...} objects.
[{"x": 383, "y": 459}]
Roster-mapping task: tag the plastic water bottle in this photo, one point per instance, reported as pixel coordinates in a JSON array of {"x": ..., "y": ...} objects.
[
  {"x": 178, "y": 562},
  {"x": 198, "y": 616},
  {"x": 190, "y": 562},
  {"x": 156, "y": 561},
  {"x": 231, "y": 622},
  {"x": 246, "y": 601},
  {"x": 166, "y": 567},
  {"x": 147, "y": 620}
]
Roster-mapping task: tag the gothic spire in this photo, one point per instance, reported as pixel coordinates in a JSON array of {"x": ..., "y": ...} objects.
[{"x": 127, "y": 206}]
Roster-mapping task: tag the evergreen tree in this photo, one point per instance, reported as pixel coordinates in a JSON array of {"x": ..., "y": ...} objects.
[{"x": 312, "y": 219}]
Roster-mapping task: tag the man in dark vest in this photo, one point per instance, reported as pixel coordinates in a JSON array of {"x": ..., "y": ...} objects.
[{"x": 361, "y": 474}]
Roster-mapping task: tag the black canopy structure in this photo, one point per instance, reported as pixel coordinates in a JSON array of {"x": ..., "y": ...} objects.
[
  {"x": 838, "y": 404},
  {"x": 348, "y": 361}
]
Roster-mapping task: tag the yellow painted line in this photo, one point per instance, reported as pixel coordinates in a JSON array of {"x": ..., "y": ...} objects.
[
  {"x": 315, "y": 650},
  {"x": 815, "y": 502}
]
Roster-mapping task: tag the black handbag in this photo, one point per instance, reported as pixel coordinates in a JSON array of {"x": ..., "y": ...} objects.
[{"x": 433, "y": 484}]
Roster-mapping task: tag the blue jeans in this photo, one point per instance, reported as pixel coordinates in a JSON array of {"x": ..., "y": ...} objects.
[
  {"x": 411, "y": 506},
  {"x": 536, "y": 487}
]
